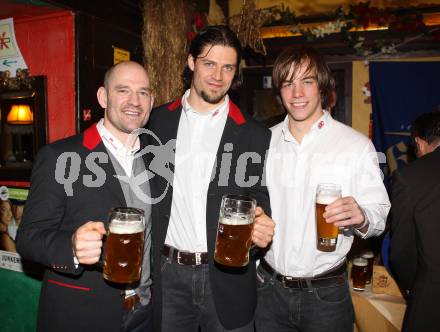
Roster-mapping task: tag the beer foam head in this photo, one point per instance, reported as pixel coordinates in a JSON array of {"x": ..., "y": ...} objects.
[
  {"x": 326, "y": 199},
  {"x": 367, "y": 254},
  {"x": 360, "y": 261},
  {"x": 124, "y": 227},
  {"x": 235, "y": 220}
]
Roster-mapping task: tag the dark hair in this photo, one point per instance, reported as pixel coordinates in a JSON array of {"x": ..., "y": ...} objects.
[
  {"x": 211, "y": 36},
  {"x": 315, "y": 62},
  {"x": 427, "y": 127}
]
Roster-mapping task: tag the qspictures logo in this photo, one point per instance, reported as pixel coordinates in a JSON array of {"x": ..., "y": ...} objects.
[{"x": 160, "y": 161}]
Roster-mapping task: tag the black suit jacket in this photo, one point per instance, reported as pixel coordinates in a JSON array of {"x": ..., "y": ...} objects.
[
  {"x": 72, "y": 299},
  {"x": 234, "y": 290},
  {"x": 415, "y": 246}
]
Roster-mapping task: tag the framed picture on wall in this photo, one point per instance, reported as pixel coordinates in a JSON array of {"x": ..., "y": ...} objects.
[{"x": 12, "y": 200}]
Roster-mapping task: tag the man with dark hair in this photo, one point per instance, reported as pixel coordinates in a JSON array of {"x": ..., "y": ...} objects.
[
  {"x": 425, "y": 131},
  {"x": 219, "y": 150},
  {"x": 301, "y": 288},
  {"x": 414, "y": 217},
  {"x": 73, "y": 188}
]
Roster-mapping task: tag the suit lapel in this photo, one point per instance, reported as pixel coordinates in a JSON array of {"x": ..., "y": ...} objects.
[
  {"x": 93, "y": 143},
  {"x": 231, "y": 134},
  {"x": 173, "y": 120},
  {"x": 111, "y": 181}
]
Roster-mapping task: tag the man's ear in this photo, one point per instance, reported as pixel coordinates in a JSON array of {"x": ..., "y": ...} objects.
[
  {"x": 422, "y": 147},
  {"x": 191, "y": 62},
  {"x": 101, "y": 94},
  {"x": 152, "y": 102}
]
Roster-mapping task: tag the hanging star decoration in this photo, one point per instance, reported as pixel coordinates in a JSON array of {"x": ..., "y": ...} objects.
[{"x": 247, "y": 26}]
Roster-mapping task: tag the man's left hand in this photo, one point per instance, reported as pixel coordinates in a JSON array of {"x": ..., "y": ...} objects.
[
  {"x": 344, "y": 212},
  {"x": 263, "y": 230}
]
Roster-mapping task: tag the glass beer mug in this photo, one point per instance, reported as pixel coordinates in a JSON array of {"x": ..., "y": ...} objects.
[
  {"x": 124, "y": 246},
  {"x": 369, "y": 256},
  {"x": 327, "y": 234},
  {"x": 234, "y": 230},
  {"x": 359, "y": 272}
]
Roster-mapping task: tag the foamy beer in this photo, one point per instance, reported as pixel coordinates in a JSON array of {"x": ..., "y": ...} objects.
[
  {"x": 327, "y": 234},
  {"x": 124, "y": 246},
  {"x": 359, "y": 273},
  {"x": 234, "y": 230},
  {"x": 369, "y": 256}
]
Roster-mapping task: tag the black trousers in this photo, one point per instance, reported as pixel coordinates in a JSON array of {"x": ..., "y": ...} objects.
[{"x": 138, "y": 319}]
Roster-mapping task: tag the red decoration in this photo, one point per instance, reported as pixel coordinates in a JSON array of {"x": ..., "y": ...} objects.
[
  {"x": 198, "y": 22},
  {"x": 367, "y": 93},
  {"x": 4, "y": 41},
  {"x": 191, "y": 35},
  {"x": 87, "y": 114}
]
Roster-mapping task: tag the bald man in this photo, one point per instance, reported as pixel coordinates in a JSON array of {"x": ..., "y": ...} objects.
[{"x": 73, "y": 188}]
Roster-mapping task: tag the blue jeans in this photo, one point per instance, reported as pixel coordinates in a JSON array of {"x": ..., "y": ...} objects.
[
  {"x": 321, "y": 309},
  {"x": 187, "y": 300}
]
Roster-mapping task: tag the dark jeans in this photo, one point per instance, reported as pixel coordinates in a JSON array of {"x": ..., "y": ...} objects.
[
  {"x": 187, "y": 300},
  {"x": 138, "y": 319},
  {"x": 321, "y": 309}
]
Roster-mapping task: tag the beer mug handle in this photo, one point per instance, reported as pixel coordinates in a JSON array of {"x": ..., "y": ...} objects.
[{"x": 100, "y": 264}]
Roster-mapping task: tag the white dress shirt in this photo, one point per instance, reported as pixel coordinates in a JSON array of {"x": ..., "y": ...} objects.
[
  {"x": 330, "y": 152},
  {"x": 198, "y": 139},
  {"x": 122, "y": 154}
]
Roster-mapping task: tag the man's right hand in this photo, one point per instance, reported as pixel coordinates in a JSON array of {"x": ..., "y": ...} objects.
[{"x": 87, "y": 242}]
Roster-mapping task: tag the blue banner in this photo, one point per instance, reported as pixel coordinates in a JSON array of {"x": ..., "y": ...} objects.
[{"x": 400, "y": 92}]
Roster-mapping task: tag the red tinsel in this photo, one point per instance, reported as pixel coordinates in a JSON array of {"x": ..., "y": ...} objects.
[{"x": 198, "y": 22}]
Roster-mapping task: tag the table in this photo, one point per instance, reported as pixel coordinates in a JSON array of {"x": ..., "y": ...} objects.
[{"x": 377, "y": 312}]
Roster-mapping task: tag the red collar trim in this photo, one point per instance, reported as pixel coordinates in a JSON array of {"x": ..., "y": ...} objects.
[
  {"x": 235, "y": 114},
  {"x": 91, "y": 137},
  {"x": 175, "y": 105}
]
